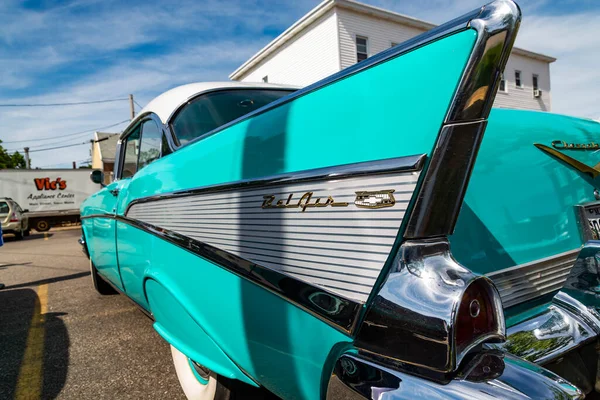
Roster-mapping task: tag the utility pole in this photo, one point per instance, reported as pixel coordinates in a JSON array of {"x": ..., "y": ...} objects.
[
  {"x": 27, "y": 165},
  {"x": 131, "y": 107},
  {"x": 74, "y": 165}
]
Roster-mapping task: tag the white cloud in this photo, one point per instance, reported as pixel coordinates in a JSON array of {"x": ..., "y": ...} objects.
[
  {"x": 145, "y": 78},
  {"x": 208, "y": 40}
]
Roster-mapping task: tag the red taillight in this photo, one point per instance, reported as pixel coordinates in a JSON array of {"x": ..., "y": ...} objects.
[
  {"x": 13, "y": 218},
  {"x": 478, "y": 316}
]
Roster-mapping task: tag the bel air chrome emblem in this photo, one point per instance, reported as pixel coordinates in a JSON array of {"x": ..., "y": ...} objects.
[
  {"x": 303, "y": 203},
  {"x": 378, "y": 199},
  {"x": 364, "y": 199}
]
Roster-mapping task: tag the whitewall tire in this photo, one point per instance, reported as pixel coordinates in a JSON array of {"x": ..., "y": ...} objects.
[{"x": 193, "y": 385}]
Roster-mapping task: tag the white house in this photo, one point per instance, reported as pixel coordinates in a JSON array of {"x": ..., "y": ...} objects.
[{"x": 339, "y": 33}]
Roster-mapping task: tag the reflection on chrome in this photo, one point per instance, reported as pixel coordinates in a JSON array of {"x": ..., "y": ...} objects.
[
  {"x": 425, "y": 304},
  {"x": 491, "y": 375}
]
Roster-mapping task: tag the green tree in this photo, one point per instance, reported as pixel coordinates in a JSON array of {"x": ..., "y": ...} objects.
[{"x": 7, "y": 160}]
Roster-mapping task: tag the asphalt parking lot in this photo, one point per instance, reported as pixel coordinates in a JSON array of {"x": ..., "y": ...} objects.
[{"x": 60, "y": 339}]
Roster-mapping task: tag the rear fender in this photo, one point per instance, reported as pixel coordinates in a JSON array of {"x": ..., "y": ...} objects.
[{"x": 174, "y": 323}]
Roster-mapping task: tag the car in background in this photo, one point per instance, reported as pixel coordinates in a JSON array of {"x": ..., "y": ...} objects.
[{"x": 13, "y": 218}]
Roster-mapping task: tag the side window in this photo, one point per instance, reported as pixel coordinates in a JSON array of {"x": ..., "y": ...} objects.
[
  {"x": 4, "y": 208},
  {"x": 209, "y": 111},
  {"x": 130, "y": 157},
  {"x": 151, "y": 143},
  {"x": 166, "y": 150}
]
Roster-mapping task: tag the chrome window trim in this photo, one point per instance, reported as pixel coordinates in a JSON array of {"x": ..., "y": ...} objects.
[
  {"x": 400, "y": 164},
  {"x": 138, "y": 121},
  {"x": 180, "y": 107}
]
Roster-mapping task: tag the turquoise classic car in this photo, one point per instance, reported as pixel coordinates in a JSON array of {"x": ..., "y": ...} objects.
[{"x": 371, "y": 236}]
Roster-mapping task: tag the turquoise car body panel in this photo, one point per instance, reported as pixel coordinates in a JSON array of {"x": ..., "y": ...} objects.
[
  {"x": 102, "y": 230},
  {"x": 277, "y": 344},
  {"x": 506, "y": 222},
  {"x": 324, "y": 128}
]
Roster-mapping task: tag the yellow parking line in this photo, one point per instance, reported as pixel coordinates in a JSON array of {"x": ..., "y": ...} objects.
[{"x": 29, "y": 384}]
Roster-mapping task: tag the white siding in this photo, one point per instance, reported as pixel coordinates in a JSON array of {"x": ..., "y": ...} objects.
[
  {"x": 381, "y": 33},
  {"x": 522, "y": 97},
  {"x": 309, "y": 57},
  {"x": 328, "y": 45}
]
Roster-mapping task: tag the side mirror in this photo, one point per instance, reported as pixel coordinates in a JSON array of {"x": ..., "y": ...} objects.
[{"x": 97, "y": 176}]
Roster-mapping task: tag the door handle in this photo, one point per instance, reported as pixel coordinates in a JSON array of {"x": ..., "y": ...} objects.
[{"x": 114, "y": 192}]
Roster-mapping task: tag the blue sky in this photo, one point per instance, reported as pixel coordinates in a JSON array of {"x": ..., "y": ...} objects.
[{"x": 68, "y": 51}]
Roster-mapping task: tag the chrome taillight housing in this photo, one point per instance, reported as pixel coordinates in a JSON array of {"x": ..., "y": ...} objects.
[
  {"x": 431, "y": 311},
  {"x": 477, "y": 319}
]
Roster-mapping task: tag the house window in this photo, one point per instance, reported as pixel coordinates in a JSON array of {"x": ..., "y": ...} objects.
[
  {"x": 502, "y": 87},
  {"x": 266, "y": 78},
  {"x": 535, "y": 82},
  {"x": 518, "y": 79},
  {"x": 361, "y": 48}
]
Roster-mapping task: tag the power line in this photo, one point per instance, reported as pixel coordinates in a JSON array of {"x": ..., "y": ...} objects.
[
  {"x": 138, "y": 104},
  {"x": 67, "y": 135},
  {"x": 88, "y": 160},
  {"x": 62, "y": 104},
  {"x": 59, "y": 147}
]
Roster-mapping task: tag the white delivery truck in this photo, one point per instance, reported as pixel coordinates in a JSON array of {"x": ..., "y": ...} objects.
[{"x": 50, "y": 196}]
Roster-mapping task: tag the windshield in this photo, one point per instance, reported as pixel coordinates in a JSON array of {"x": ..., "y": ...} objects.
[{"x": 213, "y": 110}]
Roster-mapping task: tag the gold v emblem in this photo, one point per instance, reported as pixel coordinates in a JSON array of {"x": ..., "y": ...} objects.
[{"x": 578, "y": 165}]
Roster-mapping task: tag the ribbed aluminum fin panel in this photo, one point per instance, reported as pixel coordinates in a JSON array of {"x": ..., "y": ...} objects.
[
  {"x": 341, "y": 249},
  {"x": 528, "y": 281}
]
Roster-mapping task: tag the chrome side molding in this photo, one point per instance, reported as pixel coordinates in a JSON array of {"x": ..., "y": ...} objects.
[
  {"x": 414, "y": 317},
  {"x": 528, "y": 281}
]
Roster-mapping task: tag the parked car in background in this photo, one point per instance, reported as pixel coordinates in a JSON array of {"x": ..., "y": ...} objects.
[
  {"x": 344, "y": 241},
  {"x": 13, "y": 218}
]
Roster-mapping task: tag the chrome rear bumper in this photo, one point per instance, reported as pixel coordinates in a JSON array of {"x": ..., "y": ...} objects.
[
  {"x": 493, "y": 375},
  {"x": 562, "y": 337}
]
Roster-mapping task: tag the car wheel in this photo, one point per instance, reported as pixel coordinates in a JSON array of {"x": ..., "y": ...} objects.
[
  {"x": 197, "y": 383},
  {"x": 200, "y": 383},
  {"x": 42, "y": 225},
  {"x": 99, "y": 283},
  {"x": 19, "y": 235}
]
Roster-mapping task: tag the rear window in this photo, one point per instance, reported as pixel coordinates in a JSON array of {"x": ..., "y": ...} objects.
[
  {"x": 4, "y": 207},
  {"x": 212, "y": 110}
]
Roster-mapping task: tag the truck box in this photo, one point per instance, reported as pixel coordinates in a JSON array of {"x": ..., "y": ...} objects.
[{"x": 52, "y": 196}]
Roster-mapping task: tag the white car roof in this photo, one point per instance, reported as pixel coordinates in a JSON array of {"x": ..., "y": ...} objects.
[{"x": 164, "y": 105}]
